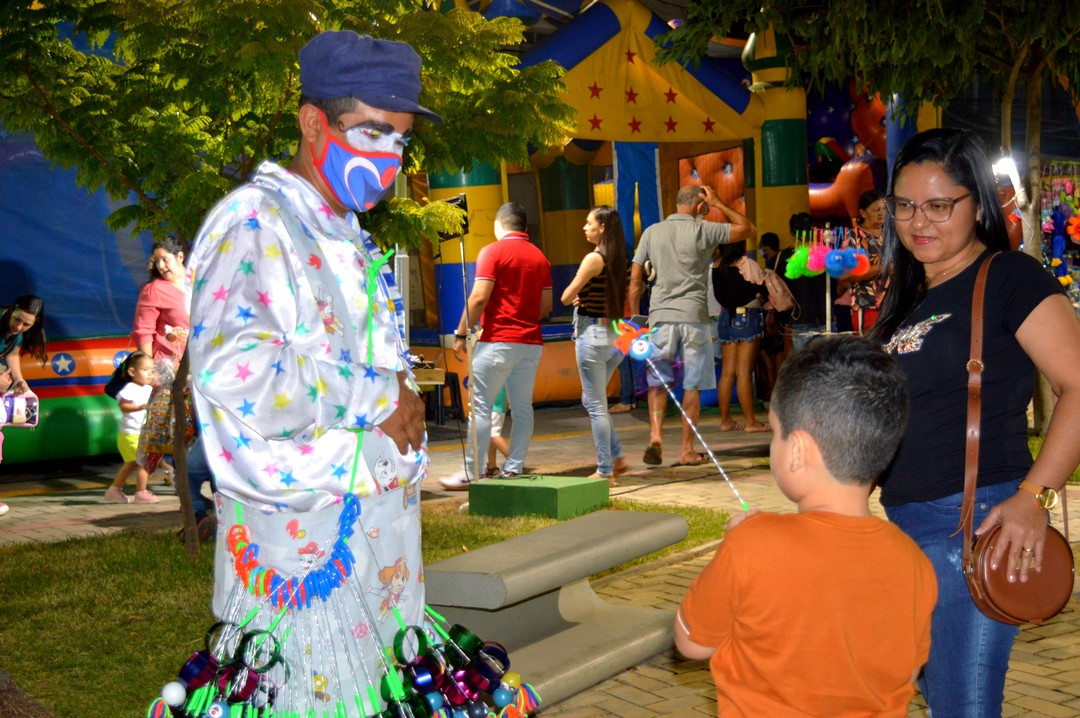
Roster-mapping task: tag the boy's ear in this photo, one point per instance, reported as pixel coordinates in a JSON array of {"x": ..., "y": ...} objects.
[{"x": 804, "y": 450}]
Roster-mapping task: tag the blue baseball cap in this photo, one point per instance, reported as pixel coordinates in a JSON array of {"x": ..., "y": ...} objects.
[{"x": 381, "y": 73}]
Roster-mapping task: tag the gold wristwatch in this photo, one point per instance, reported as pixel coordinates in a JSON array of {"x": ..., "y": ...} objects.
[{"x": 1047, "y": 497}]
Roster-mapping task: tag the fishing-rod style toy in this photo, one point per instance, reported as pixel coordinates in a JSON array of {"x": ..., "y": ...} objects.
[{"x": 634, "y": 341}]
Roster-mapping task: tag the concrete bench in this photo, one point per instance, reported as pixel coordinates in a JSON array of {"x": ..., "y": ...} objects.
[{"x": 532, "y": 594}]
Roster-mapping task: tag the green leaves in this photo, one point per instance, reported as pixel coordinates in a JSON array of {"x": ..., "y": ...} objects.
[
  {"x": 170, "y": 104},
  {"x": 926, "y": 50}
]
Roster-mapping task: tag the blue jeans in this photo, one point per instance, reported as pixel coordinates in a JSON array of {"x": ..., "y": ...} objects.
[
  {"x": 969, "y": 652},
  {"x": 495, "y": 365},
  {"x": 736, "y": 326},
  {"x": 198, "y": 474},
  {"x": 597, "y": 359}
]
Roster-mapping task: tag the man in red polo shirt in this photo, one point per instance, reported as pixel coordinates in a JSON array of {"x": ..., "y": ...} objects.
[{"x": 511, "y": 294}]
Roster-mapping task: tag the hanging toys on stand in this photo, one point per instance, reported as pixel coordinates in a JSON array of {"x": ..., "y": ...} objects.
[
  {"x": 830, "y": 251},
  {"x": 291, "y": 646}
]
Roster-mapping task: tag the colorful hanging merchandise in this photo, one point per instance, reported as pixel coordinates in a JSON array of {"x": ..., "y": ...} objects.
[
  {"x": 819, "y": 250},
  {"x": 299, "y": 643}
]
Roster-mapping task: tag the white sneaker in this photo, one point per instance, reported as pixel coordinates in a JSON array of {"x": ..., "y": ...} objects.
[
  {"x": 458, "y": 481},
  {"x": 4, "y": 508},
  {"x": 146, "y": 497},
  {"x": 116, "y": 495}
]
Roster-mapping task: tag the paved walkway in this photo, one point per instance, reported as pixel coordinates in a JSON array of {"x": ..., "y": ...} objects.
[{"x": 51, "y": 503}]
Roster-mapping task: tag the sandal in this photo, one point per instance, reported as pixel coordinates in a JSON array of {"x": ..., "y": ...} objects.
[{"x": 653, "y": 455}]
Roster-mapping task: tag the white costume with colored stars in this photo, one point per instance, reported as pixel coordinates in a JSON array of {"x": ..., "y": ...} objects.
[{"x": 295, "y": 343}]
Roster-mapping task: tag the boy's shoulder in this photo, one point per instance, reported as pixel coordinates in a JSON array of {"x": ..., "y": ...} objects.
[{"x": 796, "y": 528}]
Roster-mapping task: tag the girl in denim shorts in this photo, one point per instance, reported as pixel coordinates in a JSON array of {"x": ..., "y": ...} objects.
[{"x": 739, "y": 330}]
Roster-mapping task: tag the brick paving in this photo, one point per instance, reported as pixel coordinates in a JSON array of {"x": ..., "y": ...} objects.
[{"x": 1044, "y": 673}]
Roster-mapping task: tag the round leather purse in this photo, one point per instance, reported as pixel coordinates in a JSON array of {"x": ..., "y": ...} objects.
[
  {"x": 1039, "y": 598},
  {"x": 1046, "y": 591}
]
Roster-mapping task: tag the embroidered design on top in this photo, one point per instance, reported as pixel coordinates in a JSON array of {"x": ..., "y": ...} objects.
[{"x": 910, "y": 339}]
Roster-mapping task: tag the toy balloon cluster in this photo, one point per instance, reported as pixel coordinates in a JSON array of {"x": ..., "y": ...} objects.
[
  {"x": 306, "y": 645},
  {"x": 820, "y": 250}
]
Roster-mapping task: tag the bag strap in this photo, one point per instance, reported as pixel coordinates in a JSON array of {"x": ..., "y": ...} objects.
[
  {"x": 974, "y": 407},
  {"x": 974, "y": 414}
]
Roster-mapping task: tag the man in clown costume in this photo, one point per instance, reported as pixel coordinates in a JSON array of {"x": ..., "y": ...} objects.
[{"x": 303, "y": 388}]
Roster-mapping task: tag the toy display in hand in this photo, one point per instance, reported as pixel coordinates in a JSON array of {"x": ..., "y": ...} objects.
[
  {"x": 260, "y": 662},
  {"x": 19, "y": 410}
]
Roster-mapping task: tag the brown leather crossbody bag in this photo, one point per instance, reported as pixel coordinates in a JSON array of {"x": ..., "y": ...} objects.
[{"x": 1045, "y": 592}]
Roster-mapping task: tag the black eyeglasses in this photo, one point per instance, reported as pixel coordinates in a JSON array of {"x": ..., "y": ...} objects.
[{"x": 935, "y": 210}]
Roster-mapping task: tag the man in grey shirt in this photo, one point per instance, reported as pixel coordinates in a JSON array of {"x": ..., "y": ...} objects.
[{"x": 680, "y": 249}]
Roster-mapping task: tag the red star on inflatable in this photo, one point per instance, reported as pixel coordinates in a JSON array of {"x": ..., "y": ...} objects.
[
  {"x": 630, "y": 56},
  {"x": 595, "y": 90},
  {"x": 671, "y": 94},
  {"x": 671, "y": 123},
  {"x": 631, "y": 96},
  {"x": 595, "y": 122},
  {"x": 708, "y": 122},
  {"x": 635, "y": 125}
]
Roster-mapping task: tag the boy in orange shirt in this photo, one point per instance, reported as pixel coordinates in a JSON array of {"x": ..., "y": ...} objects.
[{"x": 827, "y": 611}]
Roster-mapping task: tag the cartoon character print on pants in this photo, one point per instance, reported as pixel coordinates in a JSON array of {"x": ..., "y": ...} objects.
[
  {"x": 392, "y": 580},
  {"x": 386, "y": 478},
  {"x": 331, "y": 322}
]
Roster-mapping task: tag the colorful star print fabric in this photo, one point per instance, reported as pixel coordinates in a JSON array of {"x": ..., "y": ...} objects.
[{"x": 297, "y": 335}]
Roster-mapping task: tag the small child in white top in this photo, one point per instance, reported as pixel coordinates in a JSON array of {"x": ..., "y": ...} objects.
[{"x": 139, "y": 368}]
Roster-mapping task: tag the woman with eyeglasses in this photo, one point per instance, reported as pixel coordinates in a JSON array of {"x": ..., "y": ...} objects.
[
  {"x": 943, "y": 219},
  {"x": 161, "y": 329}
]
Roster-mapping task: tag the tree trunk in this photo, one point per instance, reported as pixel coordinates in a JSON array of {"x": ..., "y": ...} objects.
[
  {"x": 187, "y": 510},
  {"x": 16, "y": 704},
  {"x": 1043, "y": 400}
]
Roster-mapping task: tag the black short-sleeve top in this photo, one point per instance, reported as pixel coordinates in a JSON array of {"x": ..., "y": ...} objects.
[{"x": 932, "y": 346}]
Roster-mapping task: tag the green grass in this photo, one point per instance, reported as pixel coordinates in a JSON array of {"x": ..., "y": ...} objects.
[{"x": 94, "y": 627}]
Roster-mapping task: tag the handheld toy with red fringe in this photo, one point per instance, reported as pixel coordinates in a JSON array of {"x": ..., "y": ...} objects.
[{"x": 634, "y": 341}]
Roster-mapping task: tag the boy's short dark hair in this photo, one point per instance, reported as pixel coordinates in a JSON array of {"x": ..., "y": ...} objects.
[
  {"x": 512, "y": 217},
  {"x": 851, "y": 397}
]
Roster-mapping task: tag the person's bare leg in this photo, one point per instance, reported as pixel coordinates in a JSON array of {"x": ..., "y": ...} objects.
[
  {"x": 745, "y": 356},
  {"x": 123, "y": 474},
  {"x": 691, "y": 403},
  {"x": 657, "y": 409},
  {"x": 723, "y": 388},
  {"x": 141, "y": 478}
]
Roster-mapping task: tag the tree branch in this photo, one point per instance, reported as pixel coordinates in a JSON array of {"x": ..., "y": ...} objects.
[{"x": 54, "y": 113}]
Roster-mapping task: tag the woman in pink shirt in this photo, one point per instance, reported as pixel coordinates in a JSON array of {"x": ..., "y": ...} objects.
[{"x": 161, "y": 329}]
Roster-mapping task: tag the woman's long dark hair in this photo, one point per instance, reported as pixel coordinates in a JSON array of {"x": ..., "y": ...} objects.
[
  {"x": 169, "y": 244},
  {"x": 730, "y": 253},
  {"x": 965, "y": 159},
  {"x": 612, "y": 248},
  {"x": 866, "y": 199},
  {"x": 33, "y": 341}
]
